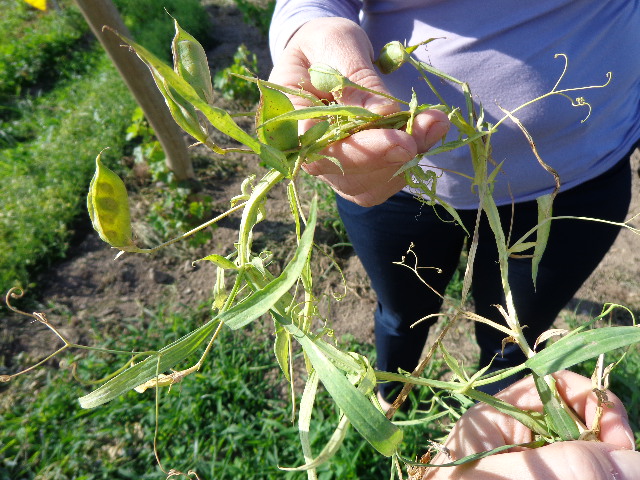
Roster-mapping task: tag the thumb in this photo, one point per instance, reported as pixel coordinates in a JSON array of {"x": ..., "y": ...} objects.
[{"x": 343, "y": 45}]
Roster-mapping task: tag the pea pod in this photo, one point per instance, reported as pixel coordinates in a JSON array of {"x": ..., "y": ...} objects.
[
  {"x": 282, "y": 135},
  {"x": 108, "y": 205},
  {"x": 190, "y": 62}
]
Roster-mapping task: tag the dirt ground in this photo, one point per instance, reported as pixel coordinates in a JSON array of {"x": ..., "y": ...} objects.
[{"x": 90, "y": 288}]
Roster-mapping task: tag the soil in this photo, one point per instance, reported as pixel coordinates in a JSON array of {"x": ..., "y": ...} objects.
[{"x": 91, "y": 290}]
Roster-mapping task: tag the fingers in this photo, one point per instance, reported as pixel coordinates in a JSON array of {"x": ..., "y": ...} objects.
[
  {"x": 577, "y": 392},
  {"x": 560, "y": 461},
  {"x": 614, "y": 424},
  {"x": 368, "y": 159},
  {"x": 483, "y": 428},
  {"x": 343, "y": 45}
]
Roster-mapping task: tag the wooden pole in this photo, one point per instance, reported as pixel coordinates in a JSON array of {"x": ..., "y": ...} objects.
[{"x": 138, "y": 78}]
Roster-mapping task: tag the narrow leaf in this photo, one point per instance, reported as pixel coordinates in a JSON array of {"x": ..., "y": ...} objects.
[
  {"x": 281, "y": 350},
  {"x": 561, "y": 422},
  {"x": 545, "y": 209},
  {"x": 573, "y": 349},
  {"x": 141, "y": 372},
  {"x": 521, "y": 247},
  {"x": 477, "y": 456},
  {"x": 367, "y": 419},
  {"x": 218, "y": 260}
]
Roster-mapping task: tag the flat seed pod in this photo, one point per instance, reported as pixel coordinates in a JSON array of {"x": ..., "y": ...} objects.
[{"x": 108, "y": 206}]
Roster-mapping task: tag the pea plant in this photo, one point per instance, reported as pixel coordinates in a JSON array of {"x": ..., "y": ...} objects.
[{"x": 246, "y": 287}]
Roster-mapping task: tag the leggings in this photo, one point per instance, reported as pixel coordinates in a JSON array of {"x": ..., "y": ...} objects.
[{"x": 382, "y": 234}]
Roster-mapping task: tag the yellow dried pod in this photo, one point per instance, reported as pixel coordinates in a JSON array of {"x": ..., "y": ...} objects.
[{"x": 108, "y": 205}]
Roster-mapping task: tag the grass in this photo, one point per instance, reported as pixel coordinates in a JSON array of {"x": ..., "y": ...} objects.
[
  {"x": 45, "y": 174},
  {"x": 228, "y": 421},
  {"x": 61, "y": 103}
]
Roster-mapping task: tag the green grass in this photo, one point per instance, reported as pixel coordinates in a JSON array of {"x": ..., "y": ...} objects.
[
  {"x": 38, "y": 49},
  {"x": 228, "y": 421},
  {"x": 45, "y": 175},
  {"x": 61, "y": 103}
]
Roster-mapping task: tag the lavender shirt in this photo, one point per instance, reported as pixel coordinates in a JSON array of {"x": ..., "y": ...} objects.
[{"x": 505, "y": 50}]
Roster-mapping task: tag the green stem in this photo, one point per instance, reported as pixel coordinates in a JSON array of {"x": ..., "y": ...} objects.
[{"x": 250, "y": 213}]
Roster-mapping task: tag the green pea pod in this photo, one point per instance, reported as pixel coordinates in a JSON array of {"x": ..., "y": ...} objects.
[
  {"x": 190, "y": 62},
  {"x": 282, "y": 135},
  {"x": 108, "y": 206}
]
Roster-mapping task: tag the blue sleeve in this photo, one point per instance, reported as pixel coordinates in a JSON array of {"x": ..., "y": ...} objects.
[{"x": 290, "y": 15}]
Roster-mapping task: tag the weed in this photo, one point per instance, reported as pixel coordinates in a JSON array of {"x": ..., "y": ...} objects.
[
  {"x": 234, "y": 88},
  {"x": 179, "y": 209},
  {"x": 257, "y": 15},
  {"x": 152, "y": 25},
  {"x": 228, "y": 422}
]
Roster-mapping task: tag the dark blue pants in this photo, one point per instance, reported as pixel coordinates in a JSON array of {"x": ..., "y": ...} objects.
[{"x": 382, "y": 234}]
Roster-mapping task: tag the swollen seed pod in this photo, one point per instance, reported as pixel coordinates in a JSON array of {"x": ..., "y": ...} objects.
[
  {"x": 283, "y": 135},
  {"x": 327, "y": 79},
  {"x": 392, "y": 57},
  {"x": 190, "y": 62},
  {"x": 108, "y": 206}
]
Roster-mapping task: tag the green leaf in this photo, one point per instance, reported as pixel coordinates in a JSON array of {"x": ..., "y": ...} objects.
[
  {"x": 219, "y": 260},
  {"x": 264, "y": 299},
  {"x": 314, "y": 133},
  {"x": 573, "y": 349},
  {"x": 534, "y": 421},
  {"x": 325, "y": 111},
  {"x": 370, "y": 422},
  {"x": 165, "y": 359},
  {"x": 545, "y": 210},
  {"x": 477, "y": 456},
  {"x": 561, "y": 422},
  {"x": 281, "y": 350},
  {"x": 521, "y": 247}
]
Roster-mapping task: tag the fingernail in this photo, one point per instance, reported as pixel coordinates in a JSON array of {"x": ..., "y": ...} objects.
[
  {"x": 435, "y": 132},
  {"x": 632, "y": 441},
  {"x": 625, "y": 464},
  {"x": 397, "y": 155}
]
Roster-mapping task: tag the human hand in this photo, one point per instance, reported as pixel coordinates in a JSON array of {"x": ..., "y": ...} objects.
[
  {"x": 484, "y": 428},
  {"x": 369, "y": 158}
]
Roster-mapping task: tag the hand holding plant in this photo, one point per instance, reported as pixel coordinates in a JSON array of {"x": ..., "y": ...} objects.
[
  {"x": 482, "y": 428},
  {"x": 369, "y": 159}
]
